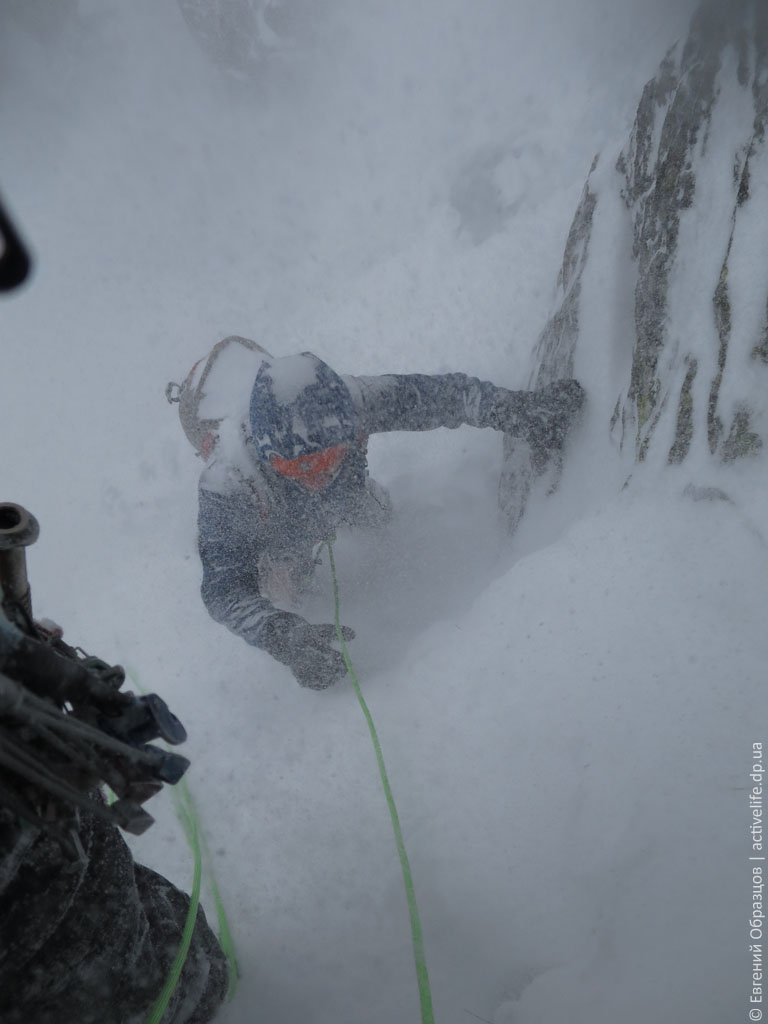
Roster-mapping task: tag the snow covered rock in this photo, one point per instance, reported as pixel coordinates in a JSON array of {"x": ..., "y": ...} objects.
[
  {"x": 664, "y": 278},
  {"x": 240, "y": 36},
  {"x": 662, "y": 312}
]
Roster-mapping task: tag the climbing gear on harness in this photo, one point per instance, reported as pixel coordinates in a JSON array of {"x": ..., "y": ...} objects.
[{"x": 65, "y": 724}]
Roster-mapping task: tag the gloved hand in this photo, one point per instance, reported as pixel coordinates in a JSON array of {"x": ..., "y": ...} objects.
[
  {"x": 306, "y": 649},
  {"x": 552, "y": 411},
  {"x": 542, "y": 417}
]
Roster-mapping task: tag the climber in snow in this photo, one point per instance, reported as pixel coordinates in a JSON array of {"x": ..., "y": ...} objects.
[{"x": 286, "y": 466}]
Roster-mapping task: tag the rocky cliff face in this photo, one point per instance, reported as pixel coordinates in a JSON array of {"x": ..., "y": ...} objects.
[{"x": 666, "y": 263}]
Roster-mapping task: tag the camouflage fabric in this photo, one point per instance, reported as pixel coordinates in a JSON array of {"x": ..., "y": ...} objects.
[
  {"x": 248, "y": 513},
  {"x": 93, "y": 940}
]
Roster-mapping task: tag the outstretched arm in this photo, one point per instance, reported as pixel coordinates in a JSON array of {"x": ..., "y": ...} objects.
[
  {"x": 423, "y": 402},
  {"x": 417, "y": 401}
]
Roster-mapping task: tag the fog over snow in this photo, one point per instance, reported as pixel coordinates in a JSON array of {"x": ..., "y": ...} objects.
[{"x": 567, "y": 717}]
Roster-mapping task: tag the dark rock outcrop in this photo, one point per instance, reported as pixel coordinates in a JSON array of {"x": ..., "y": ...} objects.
[{"x": 693, "y": 185}]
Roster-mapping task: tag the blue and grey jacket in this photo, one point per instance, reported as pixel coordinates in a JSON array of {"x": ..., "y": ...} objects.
[{"x": 248, "y": 512}]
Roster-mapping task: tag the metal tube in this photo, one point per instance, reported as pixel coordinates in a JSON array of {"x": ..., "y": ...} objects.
[{"x": 18, "y": 529}]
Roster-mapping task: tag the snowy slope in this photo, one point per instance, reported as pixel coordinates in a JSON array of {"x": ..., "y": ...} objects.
[{"x": 567, "y": 717}]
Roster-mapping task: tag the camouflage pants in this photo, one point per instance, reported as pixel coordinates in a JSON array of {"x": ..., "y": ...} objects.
[{"x": 93, "y": 940}]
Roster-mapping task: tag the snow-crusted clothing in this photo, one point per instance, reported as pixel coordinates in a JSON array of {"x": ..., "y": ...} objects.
[
  {"x": 251, "y": 516},
  {"x": 92, "y": 941}
]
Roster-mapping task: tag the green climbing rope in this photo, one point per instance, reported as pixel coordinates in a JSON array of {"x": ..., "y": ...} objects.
[
  {"x": 189, "y": 823},
  {"x": 420, "y": 961},
  {"x": 185, "y": 807},
  {"x": 189, "y": 817}
]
